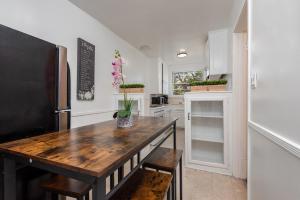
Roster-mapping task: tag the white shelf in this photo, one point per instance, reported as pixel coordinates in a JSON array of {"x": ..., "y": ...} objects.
[
  {"x": 209, "y": 139},
  {"x": 207, "y": 152},
  {"x": 208, "y": 115}
]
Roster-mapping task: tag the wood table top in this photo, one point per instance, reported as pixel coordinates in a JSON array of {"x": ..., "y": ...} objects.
[{"x": 93, "y": 150}]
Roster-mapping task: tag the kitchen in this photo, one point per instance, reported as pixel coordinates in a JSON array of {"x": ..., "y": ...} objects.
[{"x": 104, "y": 95}]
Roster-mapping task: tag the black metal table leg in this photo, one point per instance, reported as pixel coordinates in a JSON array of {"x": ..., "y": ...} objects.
[
  {"x": 174, "y": 135},
  {"x": 173, "y": 188},
  {"x": 112, "y": 180},
  {"x": 180, "y": 177},
  {"x": 10, "y": 179},
  {"x": 139, "y": 157},
  {"x": 54, "y": 196},
  {"x": 175, "y": 172},
  {"x": 99, "y": 190}
]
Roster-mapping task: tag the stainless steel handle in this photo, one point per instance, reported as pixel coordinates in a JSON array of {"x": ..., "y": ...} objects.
[{"x": 62, "y": 78}]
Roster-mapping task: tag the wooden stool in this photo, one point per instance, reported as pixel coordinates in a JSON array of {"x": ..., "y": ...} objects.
[
  {"x": 61, "y": 185},
  {"x": 145, "y": 185},
  {"x": 165, "y": 159}
]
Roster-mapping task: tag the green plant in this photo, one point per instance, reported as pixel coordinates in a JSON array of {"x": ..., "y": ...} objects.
[
  {"x": 209, "y": 82},
  {"x": 197, "y": 76},
  {"x": 118, "y": 80},
  {"x": 132, "y": 85},
  {"x": 127, "y": 109}
]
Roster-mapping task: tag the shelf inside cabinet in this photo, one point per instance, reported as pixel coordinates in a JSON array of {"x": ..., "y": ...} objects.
[
  {"x": 208, "y": 139},
  {"x": 207, "y": 152},
  {"x": 208, "y": 115}
]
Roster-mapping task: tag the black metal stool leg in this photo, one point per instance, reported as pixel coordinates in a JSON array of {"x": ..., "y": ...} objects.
[
  {"x": 180, "y": 177},
  {"x": 175, "y": 175},
  {"x": 169, "y": 194},
  {"x": 173, "y": 186}
]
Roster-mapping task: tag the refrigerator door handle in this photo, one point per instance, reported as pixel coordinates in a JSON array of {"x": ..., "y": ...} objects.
[
  {"x": 62, "y": 86},
  {"x": 63, "y": 120}
]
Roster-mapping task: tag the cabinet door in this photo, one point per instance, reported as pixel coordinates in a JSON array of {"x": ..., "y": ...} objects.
[
  {"x": 188, "y": 132},
  {"x": 207, "y": 132},
  {"x": 218, "y": 52}
]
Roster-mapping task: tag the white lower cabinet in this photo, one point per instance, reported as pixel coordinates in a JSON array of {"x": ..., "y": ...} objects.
[
  {"x": 179, "y": 114},
  {"x": 208, "y": 131}
]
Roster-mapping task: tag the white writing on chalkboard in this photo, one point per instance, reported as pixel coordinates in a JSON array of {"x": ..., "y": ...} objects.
[{"x": 86, "y": 70}]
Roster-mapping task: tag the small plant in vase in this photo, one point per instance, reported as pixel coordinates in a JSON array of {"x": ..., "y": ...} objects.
[{"x": 124, "y": 116}]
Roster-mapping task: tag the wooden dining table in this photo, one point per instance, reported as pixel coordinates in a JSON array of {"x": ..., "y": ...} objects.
[{"x": 91, "y": 154}]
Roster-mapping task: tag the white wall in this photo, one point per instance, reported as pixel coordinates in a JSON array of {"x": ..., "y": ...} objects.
[
  {"x": 60, "y": 22},
  {"x": 236, "y": 12},
  {"x": 274, "y": 146}
]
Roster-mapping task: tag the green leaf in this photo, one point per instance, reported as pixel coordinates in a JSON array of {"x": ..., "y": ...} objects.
[
  {"x": 132, "y": 85},
  {"x": 124, "y": 113},
  {"x": 210, "y": 82}
]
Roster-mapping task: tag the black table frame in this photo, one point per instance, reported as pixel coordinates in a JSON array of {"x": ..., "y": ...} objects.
[{"x": 98, "y": 183}]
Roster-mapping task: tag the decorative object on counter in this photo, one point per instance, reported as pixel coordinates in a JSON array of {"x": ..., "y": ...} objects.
[
  {"x": 132, "y": 88},
  {"x": 85, "y": 70},
  {"x": 124, "y": 116},
  {"x": 210, "y": 85}
]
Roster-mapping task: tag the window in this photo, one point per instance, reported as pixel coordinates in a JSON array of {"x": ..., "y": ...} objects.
[{"x": 181, "y": 81}]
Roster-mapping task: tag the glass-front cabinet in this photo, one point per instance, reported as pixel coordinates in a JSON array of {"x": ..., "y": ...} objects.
[{"x": 207, "y": 131}]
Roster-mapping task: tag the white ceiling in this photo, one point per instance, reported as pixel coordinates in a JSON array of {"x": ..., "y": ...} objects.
[{"x": 162, "y": 27}]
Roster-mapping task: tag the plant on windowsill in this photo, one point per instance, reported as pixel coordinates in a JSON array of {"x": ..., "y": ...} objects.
[
  {"x": 124, "y": 116},
  {"x": 132, "y": 88},
  {"x": 209, "y": 85}
]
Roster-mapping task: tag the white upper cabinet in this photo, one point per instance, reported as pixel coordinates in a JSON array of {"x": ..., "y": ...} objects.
[{"x": 218, "y": 51}]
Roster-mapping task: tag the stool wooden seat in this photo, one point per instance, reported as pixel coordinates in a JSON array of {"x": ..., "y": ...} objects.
[
  {"x": 166, "y": 159},
  {"x": 61, "y": 185},
  {"x": 145, "y": 185}
]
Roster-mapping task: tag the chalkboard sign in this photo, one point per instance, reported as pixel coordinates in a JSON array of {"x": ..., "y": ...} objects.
[{"x": 85, "y": 70}]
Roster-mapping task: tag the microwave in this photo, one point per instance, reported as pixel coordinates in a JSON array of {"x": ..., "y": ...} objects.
[{"x": 158, "y": 99}]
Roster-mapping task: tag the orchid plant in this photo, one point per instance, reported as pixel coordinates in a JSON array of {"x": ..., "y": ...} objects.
[{"x": 119, "y": 79}]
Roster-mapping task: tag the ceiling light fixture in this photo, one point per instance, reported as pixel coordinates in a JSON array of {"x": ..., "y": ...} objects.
[{"x": 182, "y": 53}]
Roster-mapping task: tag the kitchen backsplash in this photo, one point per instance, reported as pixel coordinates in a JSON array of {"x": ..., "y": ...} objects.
[{"x": 176, "y": 100}]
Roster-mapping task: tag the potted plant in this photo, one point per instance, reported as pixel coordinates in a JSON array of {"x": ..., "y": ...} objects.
[
  {"x": 132, "y": 88},
  {"x": 209, "y": 85},
  {"x": 124, "y": 116}
]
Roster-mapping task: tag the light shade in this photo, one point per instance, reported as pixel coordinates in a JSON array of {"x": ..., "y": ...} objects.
[{"x": 182, "y": 53}]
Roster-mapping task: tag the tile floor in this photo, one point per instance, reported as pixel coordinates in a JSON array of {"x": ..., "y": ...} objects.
[{"x": 200, "y": 185}]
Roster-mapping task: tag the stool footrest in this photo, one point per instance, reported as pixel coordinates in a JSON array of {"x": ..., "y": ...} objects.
[
  {"x": 144, "y": 184},
  {"x": 66, "y": 186}
]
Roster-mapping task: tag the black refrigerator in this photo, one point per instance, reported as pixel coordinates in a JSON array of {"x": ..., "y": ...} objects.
[{"x": 34, "y": 94}]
